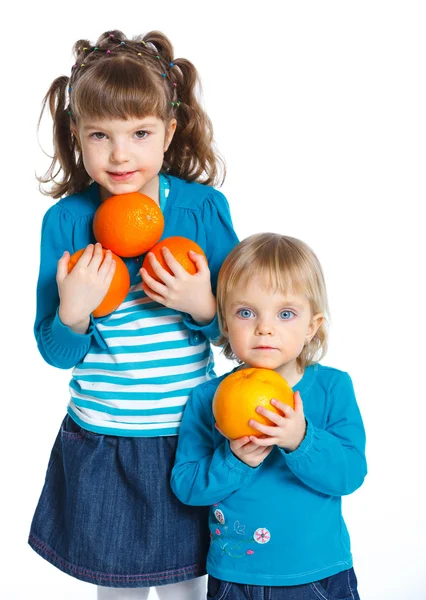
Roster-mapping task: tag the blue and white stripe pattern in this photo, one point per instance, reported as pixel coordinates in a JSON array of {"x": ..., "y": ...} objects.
[{"x": 139, "y": 384}]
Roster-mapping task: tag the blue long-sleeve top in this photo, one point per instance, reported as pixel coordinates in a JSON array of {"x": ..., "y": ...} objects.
[
  {"x": 280, "y": 523},
  {"x": 135, "y": 368}
]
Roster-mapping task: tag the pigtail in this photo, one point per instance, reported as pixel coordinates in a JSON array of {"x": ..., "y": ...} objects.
[
  {"x": 63, "y": 159},
  {"x": 191, "y": 154}
]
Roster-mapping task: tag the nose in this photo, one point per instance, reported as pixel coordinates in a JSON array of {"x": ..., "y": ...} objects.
[
  {"x": 120, "y": 153},
  {"x": 264, "y": 327}
]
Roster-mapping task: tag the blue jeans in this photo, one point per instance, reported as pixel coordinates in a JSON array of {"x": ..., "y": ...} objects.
[{"x": 342, "y": 586}]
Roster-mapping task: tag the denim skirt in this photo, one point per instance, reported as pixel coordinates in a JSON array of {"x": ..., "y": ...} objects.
[{"x": 108, "y": 516}]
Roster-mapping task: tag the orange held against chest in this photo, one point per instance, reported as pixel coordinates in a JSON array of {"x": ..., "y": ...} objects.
[
  {"x": 128, "y": 224},
  {"x": 238, "y": 395},
  {"x": 131, "y": 225}
]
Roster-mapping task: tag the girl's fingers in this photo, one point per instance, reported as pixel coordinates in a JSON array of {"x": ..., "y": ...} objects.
[
  {"x": 105, "y": 264},
  {"x": 151, "y": 294},
  {"x": 86, "y": 257},
  {"x": 62, "y": 270},
  {"x": 240, "y": 442},
  {"x": 199, "y": 261},
  {"x": 174, "y": 266},
  {"x": 263, "y": 441},
  {"x": 160, "y": 271},
  {"x": 298, "y": 404},
  {"x": 152, "y": 283},
  {"x": 284, "y": 408},
  {"x": 97, "y": 257},
  {"x": 273, "y": 417},
  {"x": 265, "y": 429},
  {"x": 108, "y": 277}
]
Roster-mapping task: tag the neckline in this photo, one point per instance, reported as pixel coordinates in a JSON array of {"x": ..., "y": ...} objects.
[
  {"x": 94, "y": 192},
  {"x": 307, "y": 379},
  {"x": 304, "y": 384}
]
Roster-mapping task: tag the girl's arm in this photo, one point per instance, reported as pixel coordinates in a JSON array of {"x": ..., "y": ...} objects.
[
  {"x": 332, "y": 460},
  {"x": 220, "y": 240},
  {"x": 204, "y": 475},
  {"x": 57, "y": 343}
]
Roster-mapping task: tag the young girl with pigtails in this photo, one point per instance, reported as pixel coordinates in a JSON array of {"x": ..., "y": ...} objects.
[{"x": 127, "y": 120}]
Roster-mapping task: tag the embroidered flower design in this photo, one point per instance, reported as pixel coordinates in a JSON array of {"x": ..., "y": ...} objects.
[
  {"x": 238, "y": 528},
  {"x": 217, "y": 531},
  {"x": 261, "y": 535},
  {"x": 219, "y": 516},
  {"x": 250, "y": 552}
]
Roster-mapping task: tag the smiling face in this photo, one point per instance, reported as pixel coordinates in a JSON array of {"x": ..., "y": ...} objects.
[
  {"x": 268, "y": 328},
  {"x": 124, "y": 155}
]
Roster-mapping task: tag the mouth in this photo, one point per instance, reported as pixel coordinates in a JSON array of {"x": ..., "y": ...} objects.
[
  {"x": 121, "y": 175},
  {"x": 264, "y": 348}
]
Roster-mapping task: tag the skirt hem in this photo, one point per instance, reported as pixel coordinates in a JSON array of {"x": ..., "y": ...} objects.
[{"x": 115, "y": 580}]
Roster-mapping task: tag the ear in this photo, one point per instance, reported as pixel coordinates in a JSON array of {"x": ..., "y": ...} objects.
[
  {"x": 74, "y": 132},
  {"x": 170, "y": 131},
  {"x": 316, "y": 322}
]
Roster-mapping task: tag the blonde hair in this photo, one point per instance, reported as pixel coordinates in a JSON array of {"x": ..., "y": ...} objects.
[
  {"x": 120, "y": 78},
  {"x": 286, "y": 263}
]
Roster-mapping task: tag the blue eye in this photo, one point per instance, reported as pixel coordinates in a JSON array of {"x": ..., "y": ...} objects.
[
  {"x": 286, "y": 315},
  {"x": 245, "y": 313}
]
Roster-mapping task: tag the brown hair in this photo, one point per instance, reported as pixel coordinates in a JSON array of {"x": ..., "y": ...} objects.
[
  {"x": 284, "y": 263},
  {"x": 119, "y": 78}
]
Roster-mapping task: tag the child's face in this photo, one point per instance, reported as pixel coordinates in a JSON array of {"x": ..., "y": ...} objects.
[
  {"x": 269, "y": 329},
  {"x": 124, "y": 156}
]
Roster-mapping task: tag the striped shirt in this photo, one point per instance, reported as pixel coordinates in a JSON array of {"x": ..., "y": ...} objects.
[
  {"x": 134, "y": 369},
  {"x": 140, "y": 383}
]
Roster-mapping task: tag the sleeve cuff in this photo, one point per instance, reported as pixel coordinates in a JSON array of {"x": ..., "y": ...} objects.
[
  {"x": 64, "y": 336},
  {"x": 236, "y": 464},
  {"x": 196, "y": 332},
  {"x": 304, "y": 447}
]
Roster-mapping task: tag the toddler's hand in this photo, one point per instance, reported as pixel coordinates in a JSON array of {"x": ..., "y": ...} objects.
[
  {"x": 181, "y": 291},
  {"x": 248, "y": 450},
  {"x": 289, "y": 429},
  {"x": 84, "y": 288}
]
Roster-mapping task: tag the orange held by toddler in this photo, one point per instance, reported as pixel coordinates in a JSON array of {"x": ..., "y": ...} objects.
[{"x": 241, "y": 392}]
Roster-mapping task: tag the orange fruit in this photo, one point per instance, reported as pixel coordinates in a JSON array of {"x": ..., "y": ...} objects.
[
  {"x": 179, "y": 246},
  {"x": 238, "y": 395},
  {"x": 128, "y": 224},
  {"x": 118, "y": 289}
]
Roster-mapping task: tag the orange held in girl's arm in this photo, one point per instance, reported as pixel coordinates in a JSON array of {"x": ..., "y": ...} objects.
[
  {"x": 179, "y": 247},
  {"x": 118, "y": 289}
]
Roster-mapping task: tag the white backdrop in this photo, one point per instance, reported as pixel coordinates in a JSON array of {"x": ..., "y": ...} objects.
[{"x": 319, "y": 110}]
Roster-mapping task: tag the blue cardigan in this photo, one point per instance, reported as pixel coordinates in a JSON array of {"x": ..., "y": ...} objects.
[{"x": 193, "y": 210}]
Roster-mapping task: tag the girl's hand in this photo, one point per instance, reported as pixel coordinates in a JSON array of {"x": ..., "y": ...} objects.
[
  {"x": 181, "y": 291},
  {"x": 248, "y": 450},
  {"x": 289, "y": 430},
  {"x": 84, "y": 288}
]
